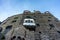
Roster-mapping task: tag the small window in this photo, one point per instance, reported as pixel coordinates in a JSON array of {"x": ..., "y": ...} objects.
[
  {"x": 31, "y": 29},
  {"x": 40, "y": 32},
  {"x": 37, "y": 24},
  {"x": 13, "y": 21},
  {"x": 8, "y": 28},
  {"x": 31, "y": 21},
  {"x": 49, "y": 20},
  {"x": 19, "y": 37},
  {"x": 51, "y": 26},
  {"x": 16, "y": 18},
  {"x": 58, "y": 31},
  {"x": 28, "y": 17},
  {"x": 26, "y": 21},
  {"x": 49, "y": 17},
  {"x": 56, "y": 20},
  {"x": 13, "y": 37}
]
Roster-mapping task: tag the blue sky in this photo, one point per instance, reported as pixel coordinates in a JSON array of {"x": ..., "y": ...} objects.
[{"x": 13, "y": 7}]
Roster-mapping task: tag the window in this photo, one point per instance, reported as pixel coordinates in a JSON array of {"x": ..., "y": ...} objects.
[
  {"x": 0, "y": 29},
  {"x": 31, "y": 29},
  {"x": 8, "y": 28},
  {"x": 56, "y": 20},
  {"x": 13, "y": 37},
  {"x": 49, "y": 20},
  {"x": 13, "y": 21},
  {"x": 49, "y": 17},
  {"x": 51, "y": 26},
  {"x": 39, "y": 32},
  {"x": 31, "y": 21},
  {"x": 19, "y": 37},
  {"x": 16, "y": 18},
  {"x": 28, "y": 21},
  {"x": 37, "y": 24},
  {"x": 58, "y": 31},
  {"x": 28, "y": 17}
]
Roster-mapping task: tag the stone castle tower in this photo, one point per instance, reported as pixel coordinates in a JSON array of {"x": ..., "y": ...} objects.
[{"x": 47, "y": 27}]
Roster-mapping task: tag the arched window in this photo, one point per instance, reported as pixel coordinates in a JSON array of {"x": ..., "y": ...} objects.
[{"x": 19, "y": 37}]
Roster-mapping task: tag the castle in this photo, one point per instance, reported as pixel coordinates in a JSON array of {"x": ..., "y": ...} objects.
[{"x": 30, "y": 26}]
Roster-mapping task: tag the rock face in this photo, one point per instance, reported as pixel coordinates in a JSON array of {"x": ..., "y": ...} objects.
[{"x": 47, "y": 27}]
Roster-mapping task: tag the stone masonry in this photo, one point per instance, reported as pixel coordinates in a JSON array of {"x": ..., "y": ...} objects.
[{"x": 47, "y": 27}]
